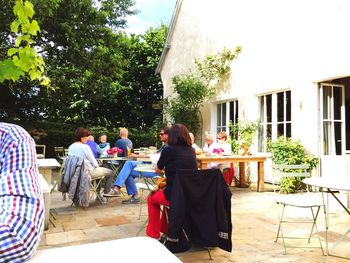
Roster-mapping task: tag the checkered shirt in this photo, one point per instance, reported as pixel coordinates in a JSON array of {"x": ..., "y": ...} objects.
[{"x": 21, "y": 202}]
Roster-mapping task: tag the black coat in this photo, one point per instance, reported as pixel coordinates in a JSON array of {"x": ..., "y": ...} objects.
[{"x": 200, "y": 211}]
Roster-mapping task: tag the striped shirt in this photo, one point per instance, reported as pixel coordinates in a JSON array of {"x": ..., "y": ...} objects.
[{"x": 21, "y": 202}]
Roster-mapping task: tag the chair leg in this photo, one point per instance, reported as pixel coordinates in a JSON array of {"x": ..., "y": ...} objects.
[
  {"x": 142, "y": 227},
  {"x": 210, "y": 257}
]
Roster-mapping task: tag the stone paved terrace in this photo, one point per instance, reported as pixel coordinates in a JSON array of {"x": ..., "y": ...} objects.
[{"x": 254, "y": 218}]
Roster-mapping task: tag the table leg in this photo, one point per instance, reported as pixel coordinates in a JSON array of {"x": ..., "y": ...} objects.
[
  {"x": 261, "y": 177},
  {"x": 242, "y": 182}
]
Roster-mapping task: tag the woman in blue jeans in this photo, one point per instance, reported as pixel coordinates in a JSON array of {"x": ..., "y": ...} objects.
[{"x": 128, "y": 174}]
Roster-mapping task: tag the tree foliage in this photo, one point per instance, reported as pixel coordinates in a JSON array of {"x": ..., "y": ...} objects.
[
  {"x": 99, "y": 75},
  {"x": 22, "y": 57}
]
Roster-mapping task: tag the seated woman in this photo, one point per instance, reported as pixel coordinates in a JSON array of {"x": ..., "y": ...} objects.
[
  {"x": 80, "y": 148},
  {"x": 179, "y": 154},
  {"x": 103, "y": 146},
  {"x": 222, "y": 147}
]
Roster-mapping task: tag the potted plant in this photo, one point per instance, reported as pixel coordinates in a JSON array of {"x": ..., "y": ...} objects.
[{"x": 242, "y": 135}]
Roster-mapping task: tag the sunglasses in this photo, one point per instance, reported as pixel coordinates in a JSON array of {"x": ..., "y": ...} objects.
[{"x": 161, "y": 133}]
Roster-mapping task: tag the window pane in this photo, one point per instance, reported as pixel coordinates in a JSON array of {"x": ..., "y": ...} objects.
[
  {"x": 337, "y": 137},
  {"x": 269, "y": 108},
  {"x": 289, "y": 130},
  {"x": 232, "y": 112},
  {"x": 218, "y": 117},
  {"x": 223, "y": 115},
  {"x": 262, "y": 112},
  {"x": 288, "y": 106},
  {"x": 327, "y": 137},
  {"x": 280, "y": 106},
  {"x": 326, "y": 102},
  {"x": 236, "y": 111},
  {"x": 280, "y": 129},
  {"x": 268, "y": 130},
  {"x": 337, "y": 100}
]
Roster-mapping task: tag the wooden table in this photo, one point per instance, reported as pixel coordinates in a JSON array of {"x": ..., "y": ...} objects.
[
  {"x": 203, "y": 162},
  {"x": 46, "y": 166},
  {"x": 135, "y": 249},
  {"x": 330, "y": 185}
]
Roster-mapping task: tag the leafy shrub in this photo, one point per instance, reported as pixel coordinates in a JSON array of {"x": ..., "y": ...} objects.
[{"x": 286, "y": 151}]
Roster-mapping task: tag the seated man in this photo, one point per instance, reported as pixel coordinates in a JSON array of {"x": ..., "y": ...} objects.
[
  {"x": 93, "y": 145},
  {"x": 127, "y": 174},
  {"x": 21, "y": 201},
  {"x": 124, "y": 142}
]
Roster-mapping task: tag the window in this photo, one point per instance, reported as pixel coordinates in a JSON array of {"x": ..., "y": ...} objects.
[
  {"x": 226, "y": 112},
  {"x": 332, "y": 99},
  {"x": 275, "y": 117}
]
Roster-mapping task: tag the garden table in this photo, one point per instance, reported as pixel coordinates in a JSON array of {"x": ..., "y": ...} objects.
[
  {"x": 332, "y": 185},
  {"x": 46, "y": 166},
  {"x": 204, "y": 160}
]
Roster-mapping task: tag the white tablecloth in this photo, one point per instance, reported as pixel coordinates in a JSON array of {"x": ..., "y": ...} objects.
[{"x": 135, "y": 249}]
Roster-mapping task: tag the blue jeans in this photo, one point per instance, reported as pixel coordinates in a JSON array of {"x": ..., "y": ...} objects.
[{"x": 126, "y": 176}]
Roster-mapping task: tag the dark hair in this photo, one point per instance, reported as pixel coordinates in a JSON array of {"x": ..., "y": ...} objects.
[
  {"x": 80, "y": 133},
  {"x": 165, "y": 129},
  {"x": 179, "y": 134}
]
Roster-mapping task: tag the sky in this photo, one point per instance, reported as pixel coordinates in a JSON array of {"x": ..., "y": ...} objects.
[{"x": 152, "y": 13}]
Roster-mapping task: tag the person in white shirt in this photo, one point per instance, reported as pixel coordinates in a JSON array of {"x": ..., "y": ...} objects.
[
  {"x": 223, "y": 143},
  {"x": 209, "y": 145}
]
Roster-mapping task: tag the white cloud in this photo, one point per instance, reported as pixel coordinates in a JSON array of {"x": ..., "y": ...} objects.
[{"x": 151, "y": 14}]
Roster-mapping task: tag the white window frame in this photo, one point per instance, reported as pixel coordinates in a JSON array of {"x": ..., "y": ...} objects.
[
  {"x": 331, "y": 144},
  {"x": 274, "y": 118},
  {"x": 219, "y": 126}
]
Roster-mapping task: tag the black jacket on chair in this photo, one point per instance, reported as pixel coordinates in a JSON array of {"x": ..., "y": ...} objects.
[{"x": 200, "y": 211}]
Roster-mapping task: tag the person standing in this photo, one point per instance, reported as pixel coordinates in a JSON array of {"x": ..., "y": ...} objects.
[
  {"x": 21, "y": 201},
  {"x": 124, "y": 142},
  {"x": 179, "y": 154}
]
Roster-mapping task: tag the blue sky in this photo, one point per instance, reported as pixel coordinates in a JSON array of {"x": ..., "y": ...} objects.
[{"x": 151, "y": 14}]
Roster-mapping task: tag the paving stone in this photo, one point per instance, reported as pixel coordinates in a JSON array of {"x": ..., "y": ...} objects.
[
  {"x": 254, "y": 218},
  {"x": 114, "y": 220},
  {"x": 65, "y": 237}
]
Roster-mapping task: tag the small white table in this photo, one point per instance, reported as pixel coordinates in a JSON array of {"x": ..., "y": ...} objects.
[
  {"x": 330, "y": 185},
  {"x": 135, "y": 249},
  {"x": 46, "y": 166}
]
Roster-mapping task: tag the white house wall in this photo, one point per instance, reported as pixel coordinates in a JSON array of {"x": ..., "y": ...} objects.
[{"x": 286, "y": 44}]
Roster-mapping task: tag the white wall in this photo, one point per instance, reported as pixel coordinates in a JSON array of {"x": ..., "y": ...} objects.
[{"x": 289, "y": 44}]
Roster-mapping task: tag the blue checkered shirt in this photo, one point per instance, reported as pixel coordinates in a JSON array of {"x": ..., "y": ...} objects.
[{"x": 21, "y": 203}]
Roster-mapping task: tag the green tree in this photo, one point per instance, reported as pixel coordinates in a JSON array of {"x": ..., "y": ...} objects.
[
  {"x": 138, "y": 105},
  {"x": 81, "y": 50}
]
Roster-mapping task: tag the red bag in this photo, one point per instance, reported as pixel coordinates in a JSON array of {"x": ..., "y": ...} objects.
[{"x": 229, "y": 174}]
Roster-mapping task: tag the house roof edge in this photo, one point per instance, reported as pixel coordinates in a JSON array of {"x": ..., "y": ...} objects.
[{"x": 168, "y": 38}]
